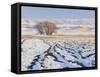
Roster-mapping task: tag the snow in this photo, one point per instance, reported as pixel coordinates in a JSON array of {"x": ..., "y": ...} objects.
[{"x": 49, "y": 53}]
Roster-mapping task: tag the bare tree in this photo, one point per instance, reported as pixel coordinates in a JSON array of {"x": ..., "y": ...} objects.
[{"x": 46, "y": 27}]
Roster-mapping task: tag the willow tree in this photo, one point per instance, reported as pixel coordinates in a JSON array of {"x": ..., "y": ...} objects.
[{"x": 46, "y": 27}]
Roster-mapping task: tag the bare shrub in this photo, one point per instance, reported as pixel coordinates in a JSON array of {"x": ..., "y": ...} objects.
[{"x": 46, "y": 27}]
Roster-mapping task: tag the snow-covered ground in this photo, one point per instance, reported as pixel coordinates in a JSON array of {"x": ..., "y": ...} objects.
[{"x": 50, "y": 53}]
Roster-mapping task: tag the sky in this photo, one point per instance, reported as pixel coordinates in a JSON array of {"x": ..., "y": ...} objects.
[{"x": 74, "y": 16}]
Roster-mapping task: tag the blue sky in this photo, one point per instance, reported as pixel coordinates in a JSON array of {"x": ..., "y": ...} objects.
[{"x": 40, "y": 13}]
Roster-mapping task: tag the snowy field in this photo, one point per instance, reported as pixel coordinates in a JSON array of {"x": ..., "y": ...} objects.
[{"x": 57, "y": 53}]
